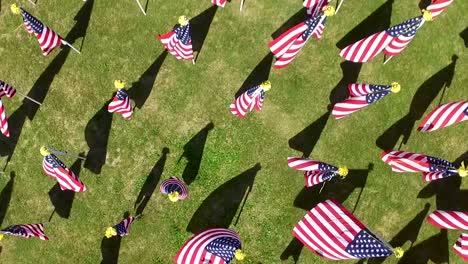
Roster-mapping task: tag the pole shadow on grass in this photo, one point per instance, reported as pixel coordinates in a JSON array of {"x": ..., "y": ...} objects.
[
  {"x": 425, "y": 94},
  {"x": 260, "y": 73},
  {"x": 200, "y": 25},
  {"x": 63, "y": 200},
  {"x": 140, "y": 90},
  {"x": 220, "y": 207},
  {"x": 379, "y": 20},
  {"x": 339, "y": 189},
  {"x": 151, "y": 182},
  {"x": 193, "y": 152},
  {"x": 110, "y": 247},
  {"x": 41, "y": 87},
  {"x": 432, "y": 249},
  {"x": 464, "y": 36},
  {"x": 97, "y": 136},
  {"x": 5, "y": 196}
]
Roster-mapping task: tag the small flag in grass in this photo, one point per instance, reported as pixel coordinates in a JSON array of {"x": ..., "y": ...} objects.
[
  {"x": 316, "y": 171},
  {"x": 250, "y": 100},
  {"x": 178, "y": 42},
  {"x": 25, "y": 230},
  {"x": 174, "y": 188},
  {"x": 121, "y": 103},
  {"x": 120, "y": 229}
]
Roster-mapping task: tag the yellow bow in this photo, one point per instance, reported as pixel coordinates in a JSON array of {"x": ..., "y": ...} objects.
[
  {"x": 266, "y": 85},
  {"x": 15, "y": 9},
  {"x": 462, "y": 170},
  {"x": 399, "y": 252},
  {"x": 239, "y": 255},
  {"x": 110, "y": 232},
  {"x": 44, "y": 151},
  {"x": 119, "y": 84},
  {"x": 343, "y": 171},
  {"x": 183, "y": 20},
  {"x": 396, "y": 87},
  {"x": 427, "y": 15},
  {"x": 173, "y": 197},
  {"x": 1, "y": 236},
  {"x": 328, "y": 10}
]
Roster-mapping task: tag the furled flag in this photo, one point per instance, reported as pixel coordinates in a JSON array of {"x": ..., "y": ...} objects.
[
  {"x": 214, "y": 245},
  {"x": 316, "y": 171},
  {"x": 362, "y": 95},
  {"x": 314, "y": 7},
  {"x": 332, "y": 232},
  {"x": 121, "y": 103},
  {"x": 120, "y": 229},
  {"x": 431, "y": 167},
  {"x": 437, "y": 6},
  {"x": 287, "y": 45},
  {"x": 174, "y": 188},
  {"x": 55, "y": 169},
  {"x": 391, "y": 41},
  {"x": 8, "y": 91},
  {"x": 178, "y": 42},
  {"x": 453, "y": 220},
  {"x": 445, "y": 115},
  {"x": 220, "y": 3},
  {"x": 48, "y": 39},
  {"x": 250, "y": 100},
  {"x": 27, "y": 231}
]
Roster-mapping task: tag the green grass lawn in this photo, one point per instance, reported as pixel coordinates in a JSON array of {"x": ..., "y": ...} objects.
[{"x": 118, "y": 42}]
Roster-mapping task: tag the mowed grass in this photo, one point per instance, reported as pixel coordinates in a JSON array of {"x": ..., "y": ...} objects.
[{"x": 120, "y": 43}]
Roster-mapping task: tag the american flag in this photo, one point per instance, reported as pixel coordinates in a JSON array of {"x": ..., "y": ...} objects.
[
  {"x": 246, "y": 102},
  {"x": 26, "y": 230},
  {"x": 431, "y": 167},
  {"x": 437, "y": 6},
  {"x": 314, "y": 7},
  {"x": 445, "y": 115},
  {"x": 287, "y": 46},
  {"x": 220, "y": 3},
  {"x": 391, "y": 41},
  {"x": 332, "y": 232},
  {"x": 449, "y": 219},
  {"x": 315, "y": 171},
  {"x": 178, "y": 42},
  {"x": 461, "y": 247},
  {"x": 362, "y": 95},
  {"x": 6, "y": 90},
  {"x": 174, "y": 184},
  {"x": 212, "y": 246},
  {"x": 121, "y": 104},
  {"x": 48, "y": 39},
  {"x": 123, "y": 227},
  {"x": 67, "y": 180},
  {"x": 3, "y": 121}
]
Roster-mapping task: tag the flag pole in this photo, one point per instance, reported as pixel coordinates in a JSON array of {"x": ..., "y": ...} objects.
[
  {"x": 339, "y": 6},
  {"x": 141, "y": 7},
  {"x": 30, "y": 1},
  {"x": 241, "y": 5},
  {"x": 64, "y": 153},
  {"x": 64, "y": 42},
  {"x": 387, "y": 60},
  {"x": 27, "y": 97}
]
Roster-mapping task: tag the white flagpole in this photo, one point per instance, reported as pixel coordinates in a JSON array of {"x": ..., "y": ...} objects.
[
  {"x": 387, "y": 60},
  {"x": 339, "y": 6},
  {"x": 141, "y": 7},
  {"x": 32, "y": 2},
  {"x": 64, "y": 153},
  {"x": 241, "y": 5},
  {"x": 64, "y": 42},
  {"x": 27, "y": 97}
]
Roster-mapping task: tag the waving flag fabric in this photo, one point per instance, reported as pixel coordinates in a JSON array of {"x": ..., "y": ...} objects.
[
  {"x": 431, "y": 167},
  {"x": 121, "y": 104},
  {"x": 26, "y": 230},
  {"x": 67, "y": 180},
  {"x": 445, "y": 115},
  {"x": 215, "y": 245},
  {"x": 391, "y": 41},
  {"x": 6, "y": 90},
  {"x": 3, "y": 120},
  {"x": 362, "y": 95},
  {"x": 287, "y": 46},
  {"x": 315, "y": 171},
  {"x": 332, "y": 232},
  {"x": 449, "y": 219},
  {"x": 48, "y": 39},
  {"x": 248, "y": 101},
  {"x": 461, "y": 247},
  {"x": 178, "y": 42},
  {"x": 123, "y": 227},
  {"x": 220, "y": 3},
  {"x": 314, "y": 7},
  {"x": 438, "y": 6},
  {"x": 174, "y": 184}
]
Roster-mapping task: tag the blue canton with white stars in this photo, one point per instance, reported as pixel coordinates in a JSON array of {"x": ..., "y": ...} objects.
[
  {"x": 365, "y": 245},
  {"x": 252, "y": 90},
  {"x": 311, "y": 23},
  {"x": 224, "y": 247},
  {"x": 173, "y": 188},
  {"x": 122, "y": 94},
  {"x": 54, "y": 161},
  {"x": 466, "y": 111},
  {"x": 412, "y": 25},
  {"x": 121, "y": 230},
  {"x": 15, "y": 230},
  {"x": 330, "y": 171},
  {"x": 35, "y": 24},
  {"x": 437, "y": 164},
  {"x": 183, "y": 34}
]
